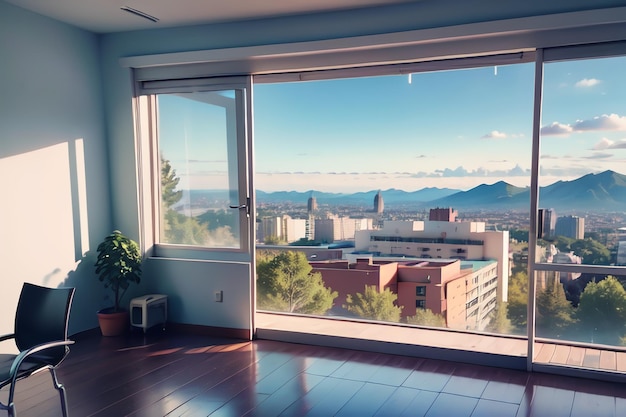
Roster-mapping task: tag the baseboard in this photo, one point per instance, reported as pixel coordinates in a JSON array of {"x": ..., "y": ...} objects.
[{"x": 212, "y": 331}]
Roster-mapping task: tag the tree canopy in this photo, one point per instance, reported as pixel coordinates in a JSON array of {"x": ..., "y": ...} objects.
[
  {"x": 169, "y": 182},
  {"x": 374, "y": 305},
  {"x": 425, "y": 317},
  {"x": 517, "y": 301},
  {"x": 554, "y": 313},
  {"x": 499, "y": 321},
  {"x": 590, "y": 250},
  {"x": 285, "y": 283},
  {"x": 602, "y": 311},
  {"x": 179, "y": 228}
]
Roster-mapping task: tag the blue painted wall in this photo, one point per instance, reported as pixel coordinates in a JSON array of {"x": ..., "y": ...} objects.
[{"x": 53, "y": 161}]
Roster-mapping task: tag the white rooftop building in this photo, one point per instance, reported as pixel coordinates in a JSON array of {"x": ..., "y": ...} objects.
[{"x": 440, "y": 240}]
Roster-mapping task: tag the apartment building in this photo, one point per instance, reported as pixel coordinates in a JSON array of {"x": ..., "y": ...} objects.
[
  {"x": 463, "y": 292},
  {"x": 440, "y": 240},
  {"x": 335, "y": 228},
  {"x": 285, "y": 228}
]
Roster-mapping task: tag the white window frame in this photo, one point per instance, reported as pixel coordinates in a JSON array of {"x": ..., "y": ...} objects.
[{"x": 149, "y": 166}]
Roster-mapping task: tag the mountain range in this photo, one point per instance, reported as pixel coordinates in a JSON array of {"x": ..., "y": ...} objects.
[{"x": 605, "y": 191}]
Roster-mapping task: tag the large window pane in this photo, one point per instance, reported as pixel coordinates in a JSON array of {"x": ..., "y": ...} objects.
[
  {"x": 583, "y": 147},
  {"x": 583, "y": 205},
  {"x": 407, "y": 192},
  {"x": 198, "y": 165}
]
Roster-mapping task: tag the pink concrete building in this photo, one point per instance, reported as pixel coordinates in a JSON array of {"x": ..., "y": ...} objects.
[
  {"x": 463, "y": 292},
  {"x": 350, "y": 278}
]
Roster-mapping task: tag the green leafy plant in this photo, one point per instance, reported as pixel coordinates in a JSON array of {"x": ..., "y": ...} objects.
[{"x": 118, "y": 264}]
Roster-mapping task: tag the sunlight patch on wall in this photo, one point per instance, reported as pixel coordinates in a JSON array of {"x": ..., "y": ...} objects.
[{"x": 39, "y": 194}]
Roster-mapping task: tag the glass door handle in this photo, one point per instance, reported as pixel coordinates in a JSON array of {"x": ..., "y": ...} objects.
[{"x": 243, "y": 206}]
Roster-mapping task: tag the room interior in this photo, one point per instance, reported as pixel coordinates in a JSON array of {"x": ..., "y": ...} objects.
[{"x": 68, "y": 133}]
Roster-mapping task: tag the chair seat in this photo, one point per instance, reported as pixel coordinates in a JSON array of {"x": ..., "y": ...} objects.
[{"x": 6, "y": 360}]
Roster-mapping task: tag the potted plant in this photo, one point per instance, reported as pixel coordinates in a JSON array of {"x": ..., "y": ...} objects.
[{"x": 117, "y": 266}]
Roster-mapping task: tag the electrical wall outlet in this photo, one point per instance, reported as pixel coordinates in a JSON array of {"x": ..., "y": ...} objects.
[{"x": 219, "y": 296}]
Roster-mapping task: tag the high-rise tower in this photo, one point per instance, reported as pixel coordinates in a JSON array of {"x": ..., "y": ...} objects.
[
  {"x": 311, "y": 204},
  {"x": 379, "y": 204}
]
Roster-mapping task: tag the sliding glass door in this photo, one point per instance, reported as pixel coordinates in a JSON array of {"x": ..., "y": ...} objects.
[{"x": 580, "y": 271}]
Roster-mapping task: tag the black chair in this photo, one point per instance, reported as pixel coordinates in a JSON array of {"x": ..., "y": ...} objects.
[{"x": 41, "y": 337}]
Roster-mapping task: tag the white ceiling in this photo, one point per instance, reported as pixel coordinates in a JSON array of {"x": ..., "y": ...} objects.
[{"x": 104, "y": 16}]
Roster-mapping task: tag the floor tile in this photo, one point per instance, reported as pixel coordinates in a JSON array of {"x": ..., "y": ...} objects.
[
  {"x": 503, "y": 391},
  {"x": 468, "y": 387},
  {"x": 586, "y": 405},
  {"x": 421, "y": 404},
  {"x": 398, "y": 402},
  {"x": 553, "y": 402},
  {"x": 336, "y": 398},
  {"x": 448, "y": 405},
  {"x": 286, "y": 395},
  {"x": 367, "y": 401},
  {"x": 430, "y": 381},
  {"x": 489, "y": 408}
]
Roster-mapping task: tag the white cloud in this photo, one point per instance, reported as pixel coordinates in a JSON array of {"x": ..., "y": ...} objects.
[
  {"x": 605, "y": 143},
  {"x": 598, "y": 123},
  {"x": 587, "y": 82},
  {"x": 516, "y": 171},
  {"x": 459, "y": 178},
  {"x": 556, "y": 129},
  {"x": 604, "y": 122},
  {"x": 494, "y": 134}
]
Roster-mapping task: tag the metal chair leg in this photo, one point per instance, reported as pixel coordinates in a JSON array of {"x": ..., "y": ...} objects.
[{"x": 61, "y": 390}]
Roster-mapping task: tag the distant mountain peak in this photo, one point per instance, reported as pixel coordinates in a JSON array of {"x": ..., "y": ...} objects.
[{"x": 597, "y": 191}]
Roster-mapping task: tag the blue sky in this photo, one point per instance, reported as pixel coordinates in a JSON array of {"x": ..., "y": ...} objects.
[{"x": 454, "y": 129}]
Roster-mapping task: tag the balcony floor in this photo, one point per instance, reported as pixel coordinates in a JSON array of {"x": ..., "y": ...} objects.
[
  {"x": 175, "y": 374},
  {"x": 481, "y": 349}
]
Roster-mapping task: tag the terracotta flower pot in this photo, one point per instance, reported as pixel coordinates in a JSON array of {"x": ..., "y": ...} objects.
[{"x": 113, "y": 324}]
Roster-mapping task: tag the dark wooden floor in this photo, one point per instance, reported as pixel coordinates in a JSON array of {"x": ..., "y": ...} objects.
[{"x": 189, "y": 375}]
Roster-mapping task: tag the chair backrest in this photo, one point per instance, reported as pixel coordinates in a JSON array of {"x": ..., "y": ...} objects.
[{"x": 42, "y": 316}]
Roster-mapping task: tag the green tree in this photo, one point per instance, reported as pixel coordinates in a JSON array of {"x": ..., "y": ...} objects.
[
  {"x": 374, "y": 305},
  {"x": 602, "y": 311},
  {"x": 219, "y": 218},
  {"x": 272, "y": 240},
  {"x": 183, "y": 229},
  {"x": 179, "y": 228},
  {"x": 562, "y": 243},
  {"x": 592, "y": 251},
  {"x": 517, "y": 301},
  {"x": 554, "y": 314},
  {"x": 169, "y": 182},
  {"x": 285, "y": 283},
  {"x": 425, "y": 317},
  {"x": 305, "y": 242},
  {"x": 499, "y": 321},
  {"x": 519, "y": 235}
]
